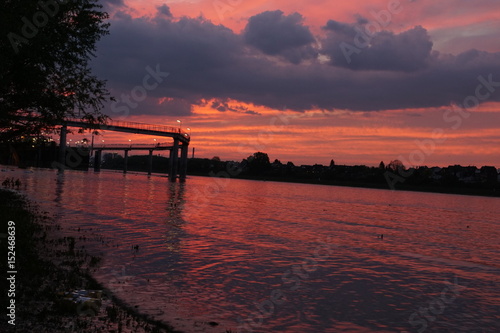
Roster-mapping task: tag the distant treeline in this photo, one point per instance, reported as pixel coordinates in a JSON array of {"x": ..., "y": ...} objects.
[
  {"x": 451, "y": 179},
  {"x": 482, "y": 180}
]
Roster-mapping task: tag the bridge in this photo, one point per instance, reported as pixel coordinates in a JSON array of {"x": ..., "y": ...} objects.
[
  {"x": 135, "y": 146},
  {"x": 177, "y": 165}
]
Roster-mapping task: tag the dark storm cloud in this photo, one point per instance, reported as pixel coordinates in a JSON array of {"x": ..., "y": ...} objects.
[
  {"x": 174, "y": 107},
  {"x": 207, "y": 61},
  {"x": 360, "y": 46},
  {"x": 276, "y": 34},
  {"x": 223, "y": 106},
  {"x": 117, "y": 3},
  {"x": 110, "y": 5},
  {"x": 165, "y": 10}
]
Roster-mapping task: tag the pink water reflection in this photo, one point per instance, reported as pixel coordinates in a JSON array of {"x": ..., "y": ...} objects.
[{"x": 216, "y": 259}]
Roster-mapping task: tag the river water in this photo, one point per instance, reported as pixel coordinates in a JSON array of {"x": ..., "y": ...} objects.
[{"x": 218, "y": 255}]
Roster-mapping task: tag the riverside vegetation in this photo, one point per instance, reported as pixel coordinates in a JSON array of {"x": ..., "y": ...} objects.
[{"x": 50, "y": 267}]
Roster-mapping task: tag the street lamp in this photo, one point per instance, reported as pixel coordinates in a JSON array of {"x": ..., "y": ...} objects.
[{"x": 180, "y": 124}]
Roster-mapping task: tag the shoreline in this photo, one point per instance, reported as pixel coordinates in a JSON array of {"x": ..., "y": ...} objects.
[
  {"x": 470, "y": 191},
  {"x": 461, "y": 190},
  {"x": 409, "y": 188},
  {"x": 49, "y": 268}
]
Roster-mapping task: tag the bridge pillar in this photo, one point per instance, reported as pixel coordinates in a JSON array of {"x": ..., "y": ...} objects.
[
  {"x": 184, "y": 156},
  {"x": 174, "y": 155},
  {"x": 125, "y": 161},
  {"x": 97, "y": 160},
  {"x": 150, "y": 161},
  {"x": 62, "y": 148}
]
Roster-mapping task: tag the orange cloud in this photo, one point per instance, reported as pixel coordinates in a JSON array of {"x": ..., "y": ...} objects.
[
  {"x": 349, "y": 137},
  {"x": 346, "y": 137}
]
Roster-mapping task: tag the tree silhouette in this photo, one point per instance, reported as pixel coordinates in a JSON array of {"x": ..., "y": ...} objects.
[
  {"x": 45, "y": 49},
  {"x": 258, "y": 163},
  {"x": 396, "y": 165}
]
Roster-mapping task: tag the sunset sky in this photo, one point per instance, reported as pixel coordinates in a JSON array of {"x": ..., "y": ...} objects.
[{"x": 309, "y": 81}]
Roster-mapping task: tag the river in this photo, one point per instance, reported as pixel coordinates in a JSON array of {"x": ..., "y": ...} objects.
[{"x": 217, "y": 255}]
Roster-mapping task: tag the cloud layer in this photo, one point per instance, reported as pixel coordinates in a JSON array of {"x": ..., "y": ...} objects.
[
  {"x": 276, "y": 34},
  {"x": 358, "y": 47},
  {"x": 273, "y": 62}
]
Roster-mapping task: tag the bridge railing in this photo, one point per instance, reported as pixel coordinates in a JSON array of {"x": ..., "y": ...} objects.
[
  {"x": 141, "y": 126},
  {"x": 135, "y": 145},
  {"x": 124, "y": 145}
]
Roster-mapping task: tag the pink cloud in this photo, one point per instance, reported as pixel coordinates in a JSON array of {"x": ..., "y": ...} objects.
[{"x": 349, "y": 137}]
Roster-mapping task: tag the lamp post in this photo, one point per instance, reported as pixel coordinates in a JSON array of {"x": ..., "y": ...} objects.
[
  {"x": 180, "y": 124},
  {"x": 92, "y": 145}
]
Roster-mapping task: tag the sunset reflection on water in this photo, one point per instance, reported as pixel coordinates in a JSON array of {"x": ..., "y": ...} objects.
[{"x": 224, "y": 257}]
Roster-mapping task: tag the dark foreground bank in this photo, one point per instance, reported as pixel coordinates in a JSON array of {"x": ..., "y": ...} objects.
[{"x": 47, "y": 285}]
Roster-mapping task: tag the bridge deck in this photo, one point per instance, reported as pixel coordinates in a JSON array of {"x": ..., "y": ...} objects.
[
  {"x": 137, "y": 146},
  {"x": 134, "y": 127}
]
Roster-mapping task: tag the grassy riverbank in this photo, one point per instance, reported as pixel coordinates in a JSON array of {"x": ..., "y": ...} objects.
[{"x": 49, "y": 267}]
